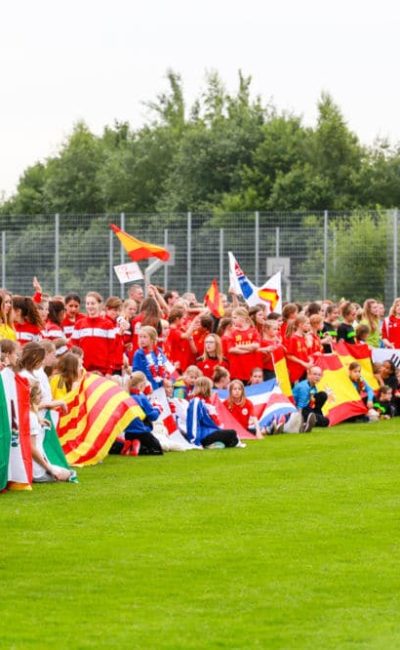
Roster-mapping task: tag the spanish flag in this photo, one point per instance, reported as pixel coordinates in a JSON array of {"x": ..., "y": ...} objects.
[
  {"x": 139, "y": 250},
  {"x": 213, "y": 300},
  {"x": 281, "y": 372},
  {"x": 98, "y": 411},
  {"x": 343, "y": 399},
  {"x": 362, "y": 354}
]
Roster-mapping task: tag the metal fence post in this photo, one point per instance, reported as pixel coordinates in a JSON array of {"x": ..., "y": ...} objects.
[
  {"x": 325, "y": 284},
  {"x": 257, "y": 248},
  {"x": 221, "y": 259},
  {"x": 57, "y": 254},
  {"x": 395, "y": 246},
  {"x": 3, "y": 259},
  {"x": 189, "y": 252},
  {"x": 277, "y": 242},
  {"x": 166, "y": 265},
  {"x": 110, "y": 262},
  {"x": 122, "y": 226}
]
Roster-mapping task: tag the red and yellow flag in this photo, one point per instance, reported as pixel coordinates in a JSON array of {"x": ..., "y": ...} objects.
[
  {"x": 137, "y": 249},
  {"x": 362, "y": 354},
  {"x": 281, "y": 372},
  {"x": 343, "y": 399},
  {"x": 213, "y": 300},
  {"x": 98, "y": 411}
]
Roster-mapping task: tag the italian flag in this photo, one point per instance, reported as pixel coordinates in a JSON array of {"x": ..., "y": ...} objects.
[{"x": 15, "y": 444}]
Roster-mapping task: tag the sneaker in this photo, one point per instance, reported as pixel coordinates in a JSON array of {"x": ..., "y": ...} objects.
[
  {"x": 241, "y": 444},
  {"x": 216, "y": 445},
  {"x": 126, "y": 449},
  {"x": 135, "y": 448},
  {"x": 280, "y": 424},
  {"x": 310, "y": 423}
]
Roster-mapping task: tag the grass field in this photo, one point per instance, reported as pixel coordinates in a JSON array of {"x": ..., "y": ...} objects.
[{"x": 292, "y": 542}]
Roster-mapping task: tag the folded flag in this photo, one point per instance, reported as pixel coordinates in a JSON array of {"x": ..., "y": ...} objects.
[
  {"x": 362, "y": 354},
  {"x": 213, "y": 300},
  {"x": 98, "y": 411},
  {"x": 137, "y": 249},
  {"x": 343, "y": 399},
  {"x": 15, "y": 443}
]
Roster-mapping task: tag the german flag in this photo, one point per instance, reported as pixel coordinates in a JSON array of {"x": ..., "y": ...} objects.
[
  {"x": 213, "y": 300},
  {"x": 343, "y": 399},
  {"x": 360, "y": 353},
  {"x": 98, "y": 411},
  {"x": 137, "y": 249}
]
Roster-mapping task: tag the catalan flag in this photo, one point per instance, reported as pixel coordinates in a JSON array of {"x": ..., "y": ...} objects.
[
  {"x": 213, "y": 300},
  {"x": 98, "y": 411},
  {"x": 362, "y": 354},
  {"x": 343, "y": 399},
  {"x": 137, "y": 249}
]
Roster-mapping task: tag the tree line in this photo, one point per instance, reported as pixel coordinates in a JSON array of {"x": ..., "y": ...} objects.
[{"x": 225, "y": 153}]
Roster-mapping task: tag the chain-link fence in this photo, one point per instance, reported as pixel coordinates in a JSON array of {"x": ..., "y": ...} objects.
[{"x": 321, "y": 254}]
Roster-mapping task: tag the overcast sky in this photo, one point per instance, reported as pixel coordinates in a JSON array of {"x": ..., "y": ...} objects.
[{"x": 62, "y": 61}]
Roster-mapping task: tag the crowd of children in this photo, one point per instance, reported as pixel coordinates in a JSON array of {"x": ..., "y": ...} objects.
[{"x": 164, "y": 340}]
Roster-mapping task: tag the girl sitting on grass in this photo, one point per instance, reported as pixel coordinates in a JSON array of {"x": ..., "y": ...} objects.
[
  {"x": 242, "y": 408},
  {"x": 203, "y": 428},
  {"x": 365, "y": 391}
]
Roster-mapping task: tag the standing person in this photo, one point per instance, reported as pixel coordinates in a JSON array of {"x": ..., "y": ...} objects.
[
  {"x": 203, "y": 429},
  {"x": 270, "y": 341},
  {"x": 27, "y": 321},
  {"x": 96, "y": 336},
  {"x": 309, "y": 400},
  {"x": 346, "y": 331},
  {"x": 72, "y": 302},
  {"x": 289, "y": 314},
  {"x": 7, "y": 330},
  {"x": 297, "y": 350},
  {"x": 150, "y": 314},
  {"x": 179, "y": 345},
  {"x": 150, "y": 359},
  {"x": 242, "y": 408},
  {"x": 329, "y": 328},
  {"x": 391, "y": 325},
  {"x": 212, "y": 356},
  {"x": 243, "y": 345},
  {"x": 113, "y": 314},
  {"x": 136, "y": 293},
  {"x": 370, "y": 317},
  {"x": 54, "y": 325}
]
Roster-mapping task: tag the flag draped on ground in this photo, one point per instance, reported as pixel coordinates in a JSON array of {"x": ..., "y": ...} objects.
[
  {"x": 15, "y": 444},
  {"x": 360, "y": 353},
  {"x": 213, "y": 300},
  {"x": 98, "y": 411},
  {"x": 269, "y": 294},
  {"x": 137, "y": 249},
  {"x": 343, "y": 399}
]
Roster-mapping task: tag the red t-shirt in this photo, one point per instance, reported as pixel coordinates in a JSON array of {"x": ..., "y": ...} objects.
[
  {"x": 297, "y": 346},
  {"x": 178, "y": 349},
  {"x": 207, "y": 366},
  {"x": 241, "y": 365},
  {"x": 391, "y": 330},
  {"x": 241, "y": 413}
]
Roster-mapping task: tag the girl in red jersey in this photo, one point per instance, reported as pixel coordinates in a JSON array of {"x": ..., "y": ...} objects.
[
  {"x": 113, "y": 314},
  {"x": 289, "y": 315},
  {"x": 150, "y": 314},
  {"x": 242, "y": 408},
  {"x": 72, "y": 306},
  {"x": 391, "y": 325},
  {"x": 243, "y": 344},
  {"x": 270, "y": 341},
  {"x": 316, "y": 343},
  {"x": 179, "y": 345},
  {"x": 212, "y": 356},
  {"x": 297, "y": 350},
  {"x": 54, "y": 328},
  {"x": 27, "y": 322},
  {"x": 95, "y": 334}
]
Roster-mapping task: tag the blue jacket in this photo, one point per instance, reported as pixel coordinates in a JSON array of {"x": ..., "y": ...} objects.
[
  {"x": 199, "y": 422},
  {"x": 137, "y": 425},
  {"x": 302, "y": 392},
  {"x": 153, "y": 364}
]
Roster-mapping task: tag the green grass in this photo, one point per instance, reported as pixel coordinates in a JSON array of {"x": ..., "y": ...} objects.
[{"x": 292, "y": 542}]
